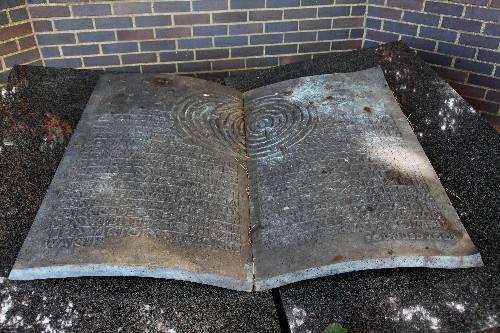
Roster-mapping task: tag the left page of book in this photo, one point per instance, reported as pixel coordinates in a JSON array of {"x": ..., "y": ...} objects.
[{"x": 151, "y": 184}]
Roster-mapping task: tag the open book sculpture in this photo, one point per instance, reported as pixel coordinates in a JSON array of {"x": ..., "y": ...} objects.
[{"x": 180, "y": 178}]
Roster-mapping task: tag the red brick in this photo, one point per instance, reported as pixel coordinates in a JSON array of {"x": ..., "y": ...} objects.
[
  {"x": 49, "y": 11},
  {"x": 295, "y": 58},
  {"x": 27, "y": 42},
  {"x": 188, "y": 19},
  {"x": 465, "y": 90},
  {"x": 482, "y": 105},
  {"x": 173, "y": 32},
  {"x": 228, "y": 64},
  {"x": 18, "y": 30},
  {"x": 9, "y": 47},
  {"x": 493, "y": 96},
  {"x": 132, "y": 8},
  {"x": 42, "y": 26},
  {"x": 348, "y": 22},
  {"x": 92, "y": 10},
  {"x": 266, "y": 15},
  {"x": 346, "y": 45},
  {"x": 139, "y": 58},
  {"x": 451, "y": 74},
  {"x": 22, "y": 57},
  {"x": 229, "y": 17},
  {"x": 135, "y": 34}
]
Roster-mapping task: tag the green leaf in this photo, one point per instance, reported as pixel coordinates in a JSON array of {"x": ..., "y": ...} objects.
[{"x": 334, "y": 328}]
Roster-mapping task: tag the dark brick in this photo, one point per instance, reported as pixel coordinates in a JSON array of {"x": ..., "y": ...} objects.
[
  {"x": 8, "y": 47},
  {"x": 493, "y": 96},
  {"x": 495, "y": 4},
  {"x": 497, "y": 72},
  {"x": 77, "y": 50},
  {"x": 56, "y": 39},
  {"x": 265, "y": 15},
  {"x": 334, "y": 11},
  {"x": 285, "y": 60},
  {"x": 357, "y": 33},
  {"x": 434, "y": 58},
  {"x": 466, "y": 90},
  {"x": 96, "y": 36},
  {"x": 305, "y": 36},
  {"x": 333, "y": 34},
  {"x": 152, "y": 21},
  {"x": 176, "y": 56},
  {"x": 400, "y": 28},
  {"x": 49, "y": 11},
  {"x": 6, "y": 4},
  {"x": 194, "y": 66},
  {"x": 444, "y": 8},
  {"x": 419, "y": 43},
  {"x": 461, "y": 24},
  {"x": 231, "y": 41},
  {"x": 437, "y": 34},
  {"x": 20, "y": 14},
  {"x": 229, "y": 17},
  {"x": 348, "y": 22},
  {"x": 346, "y": 45},
  {"x": 421, "y": 18},
  {"x": 373, "y": 24},
  {"x": 394, "y": 14},
  {"x": 101, "y": 61},
  {"x": 492, "y": 29},
  {"x": 481, "y": 41},
  {"x": 17, "y": 30},
  {"x": 484, "y": 81},
  {"x": 27, "y": 42},
  {"x": 161, "y": 68},
  {"x": 50, "y": 52},
  {"x": 456, "y": 50},
  {"x": 92, "y": 10},
  {"x": 490, "y": 56},
  {"x": 129, "y": 69},
  {"x": 281, "y": 49},
  {"x": 483, "y": 106},
  {"x": 317, "y": 2},
  {"x": 369, "y": 43},
  {"x": 113, "y": 22},
  {"x": 483, "y": 14},
  {"x": 135, "y": 34},
  {"x": 172, "y": 6},
  {"x": 42, "y": 26},
  {"x": 119, "y": 48},
  {"x": 474, "y": 66},
  {"x": 358, "y": 10},
  {"x": 212, "y": 54},
  {"x": 177, "y": 32},
  {"x": 189, "y": 19},
  {"x": 300, "y": 13},
  {"x": 406, "y": 4},
  {"x": 351, "y": 2},
  {"x": 450, "y": 74},
  {"x": 314, "y": 47},
  {"x": 250, "y": 51},
  {"x": 228, "y": 64},
  {"x": 266, "y": 39},
  {"x": 315, "y": 24},
  {"x": 64, "y": 63},
  {"x": 209, "y": 5},
  {"x": 210, "y": 30},
  {"x": 74, "y": 24},
  {"x": 132, "y": 8},
  {"x": 247, "y": 4},
  {"x": 3, "y": 18},
  {"x": 138, "y": 58},
  {"x": 282, "y": 3},
  {"x": 472, "y": 2},
  {"x": 246, "y": 28},
  {"x": 261, "y": 62},
  {"x": 282, "y": 26},
  {"x": 195, "y": 43},
  {"x": 158, "y": 45},
  {"x": 380, "y": 36}
]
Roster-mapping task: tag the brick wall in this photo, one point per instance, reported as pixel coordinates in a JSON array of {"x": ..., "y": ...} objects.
[
  {"x": 460, "y": 38},
  {"x": 17, "y": 42}
]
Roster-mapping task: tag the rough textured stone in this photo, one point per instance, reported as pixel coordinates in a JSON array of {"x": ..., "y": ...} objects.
[{"x": 465, "y": 152}]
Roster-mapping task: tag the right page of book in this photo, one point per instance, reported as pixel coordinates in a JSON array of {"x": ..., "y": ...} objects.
[{"x": 339, "y": 182}]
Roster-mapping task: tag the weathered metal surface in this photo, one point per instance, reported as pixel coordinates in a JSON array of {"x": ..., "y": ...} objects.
[
  {"x": 339, "y": 183},
  {"x": 149, "y": 186}
]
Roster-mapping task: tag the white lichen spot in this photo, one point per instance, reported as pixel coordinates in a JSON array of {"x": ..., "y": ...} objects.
[
  {"x": 457, "y": 306},
  {"x": 420, "y": 313},
  {"x": 286, "y": 208},
  {"x": 297, "y": 318},
  {"x": 8, "y": 143},
  {"x": 2, "y": 279},
  {"x": 206, "y": 95},
  {"x": 4, "y": 308}
]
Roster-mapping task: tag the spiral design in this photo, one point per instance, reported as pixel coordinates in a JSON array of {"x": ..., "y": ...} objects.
[
  {"x": 213, "y": 119},
  {"x": 276, "y": 123}
]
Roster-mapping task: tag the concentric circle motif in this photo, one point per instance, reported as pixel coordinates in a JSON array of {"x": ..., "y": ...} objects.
[
  {"x": 212, "y": 119},
  {"x": 275, "y": 123}
]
